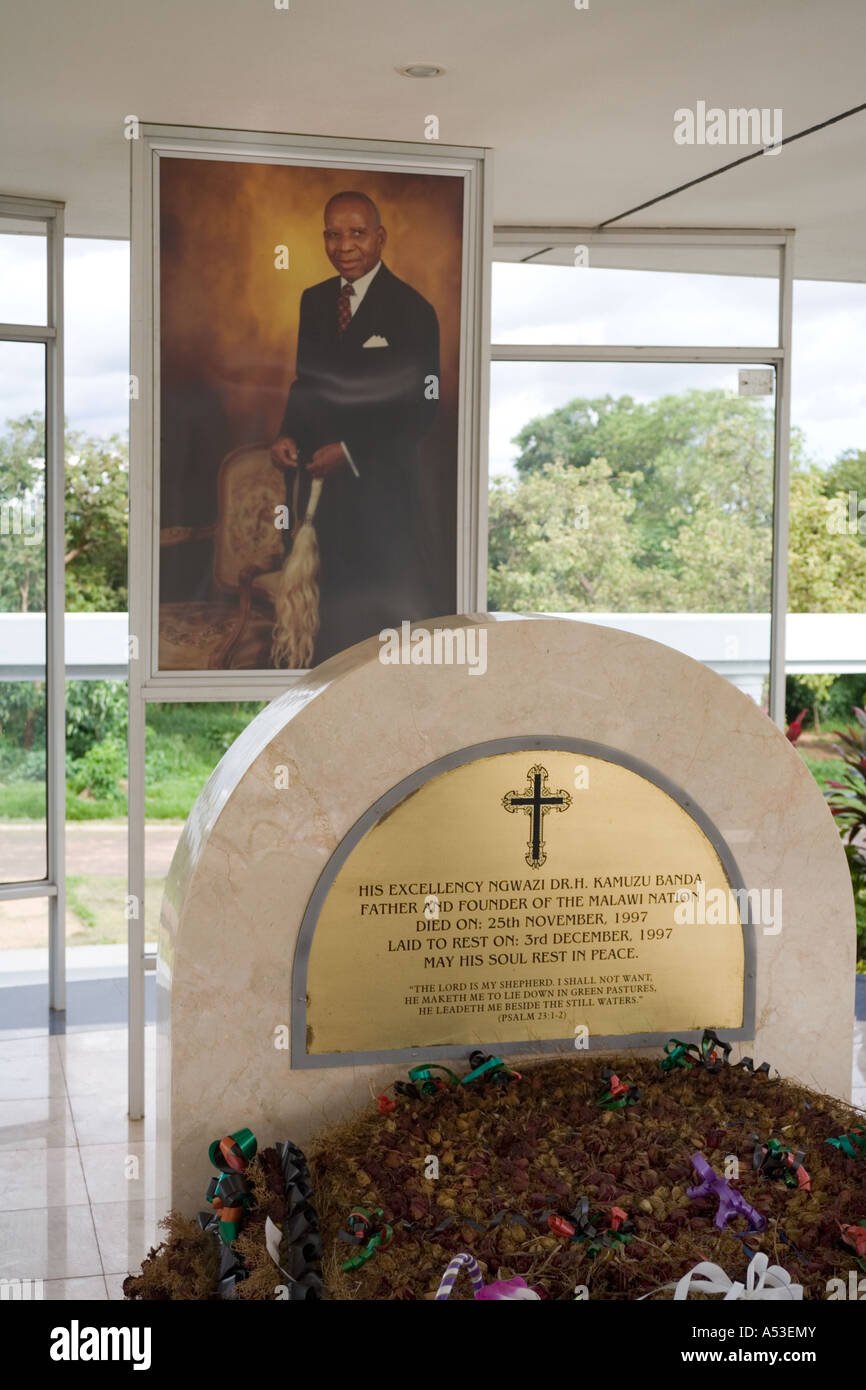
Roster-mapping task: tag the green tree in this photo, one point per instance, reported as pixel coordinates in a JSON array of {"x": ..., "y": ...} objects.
[
  {"x": 671, "y": 455},
  {"x": 693, "y": 531},
  {"x": 826, "y": 570},
  {"x": 693, "y": 475},
  {"x": 561, "y": 541},
  {"x": 97, "y": 523},
  {"x": 819, "y": 687},
  {"x": 96, "y": 492},
  {"x": 721, "y": 552},
  {"x": 22, "y": 517},
  {"x": 847, "y": 474}
]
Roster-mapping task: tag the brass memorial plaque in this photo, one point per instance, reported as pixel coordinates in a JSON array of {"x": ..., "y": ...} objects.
[{"x": 523, "y": 896}]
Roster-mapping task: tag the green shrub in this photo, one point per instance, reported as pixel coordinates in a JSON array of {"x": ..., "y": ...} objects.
[
  {"x": 100, "y": 770},
  {"x": 845, "y": 693},
  {"x": 95, "y": 710},
  {"x": 22, "y": 715},
  {"x": 846, "y": 797}
]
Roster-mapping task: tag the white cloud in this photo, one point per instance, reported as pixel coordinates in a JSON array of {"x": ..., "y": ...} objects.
[
  {"x": 561, "y": 304},
  {"x": 96, "y": 293}
]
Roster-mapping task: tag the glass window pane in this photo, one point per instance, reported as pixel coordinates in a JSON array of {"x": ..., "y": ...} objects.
[
  {"x": 826, "y": 627},
  {"x": 23, "y": 271},
  {"x": 641, "y": 492},
  {"x": 22, "y": 612},
  {"x": 599, "y": 304},
  {"x": 827, "y": 546},
  {"x": 96, "y": 335},
  {"x": 184, "y": 743}
]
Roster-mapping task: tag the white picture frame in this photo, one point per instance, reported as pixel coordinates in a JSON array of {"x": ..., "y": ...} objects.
[{"x": 151, "y": 145}]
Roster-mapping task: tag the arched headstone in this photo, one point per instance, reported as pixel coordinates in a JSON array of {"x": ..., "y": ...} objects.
[{"x": 572, "y": 835}]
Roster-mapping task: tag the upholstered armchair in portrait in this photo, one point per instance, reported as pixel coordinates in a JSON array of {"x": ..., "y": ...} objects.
[{"x": 232, "y": 627}]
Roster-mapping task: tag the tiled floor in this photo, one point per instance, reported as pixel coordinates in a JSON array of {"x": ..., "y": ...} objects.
[
  {"x": 76, "y": 1175},
  {"x": 858, "y": 1083},
  {"x": 78, "y": 1208}
]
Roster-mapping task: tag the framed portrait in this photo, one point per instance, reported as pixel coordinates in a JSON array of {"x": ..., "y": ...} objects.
[{"x": 310, "y": 331}]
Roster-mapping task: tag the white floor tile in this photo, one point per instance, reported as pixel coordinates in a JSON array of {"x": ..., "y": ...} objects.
[
  {"x": 860, "y": 1055},
  {"x": 114, "y": 1284},
  {"x": 53, "y": 1243},
  {"x": 103, "y": 1120},
  {"x": 119, "y": 1172},
  {"x": 100, "y": 1040},
  {"x": 125, "y": 1232},
  {"x": 36, "y": 1124},
  {"x": 96, "y": 1073},
  {"x": 41, "y": 1178},
  {"x": 36, "y": 1045},
  {"x": 30, "y": 1073},
  {"x": 90, "y": 1290},
  {"x": 17, "y": 1034}
]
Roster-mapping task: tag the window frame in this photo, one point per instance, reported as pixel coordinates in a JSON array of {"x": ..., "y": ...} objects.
[
  {"x": 776, "y": 355},
  {"x": 50, "y": 334}
]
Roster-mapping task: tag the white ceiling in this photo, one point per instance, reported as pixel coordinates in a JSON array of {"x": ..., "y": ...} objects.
[{"x": 577, "y": 104}]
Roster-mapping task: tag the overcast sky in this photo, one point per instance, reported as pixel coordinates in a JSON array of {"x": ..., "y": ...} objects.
[
  {"x": 561, "y": 304},
  {"x": 530, "y": 303}
]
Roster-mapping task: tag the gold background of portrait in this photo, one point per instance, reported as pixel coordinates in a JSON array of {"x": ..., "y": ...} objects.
[
  {"x": 229, "y": 319},
  {"x": 455, "y": 828}
]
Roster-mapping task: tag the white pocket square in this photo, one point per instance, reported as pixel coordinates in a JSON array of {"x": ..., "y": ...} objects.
[{"x": 376, "y": 341}]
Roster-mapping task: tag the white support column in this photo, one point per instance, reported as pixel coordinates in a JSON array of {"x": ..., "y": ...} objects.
[
  {"x": 141, "y": 444},
  {"x": 55, "y": 590},
  {"x": 781, "y": 487},
  {"x": 135, "y": 898}
]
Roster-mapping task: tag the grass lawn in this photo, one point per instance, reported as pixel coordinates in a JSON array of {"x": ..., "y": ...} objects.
[
  {"x": 23, "y": 800},
  {"x": 184, "y": 745},
  {"x": 824, "y": 770},
  {"x": 96, "y": 910},
  {"x": 166, "y": 798}
]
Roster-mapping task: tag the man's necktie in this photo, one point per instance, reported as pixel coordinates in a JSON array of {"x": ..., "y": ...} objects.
[{"x": 344, "y": 312}]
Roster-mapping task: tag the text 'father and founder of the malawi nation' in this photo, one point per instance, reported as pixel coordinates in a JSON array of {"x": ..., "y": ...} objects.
[{"x": 365, "y": 393}]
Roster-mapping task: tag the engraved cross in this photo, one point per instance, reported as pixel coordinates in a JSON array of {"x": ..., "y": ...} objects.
[{"x": 535, "y": 801}]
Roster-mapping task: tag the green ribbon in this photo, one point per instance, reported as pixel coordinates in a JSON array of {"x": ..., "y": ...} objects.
[
  {"x": 630, "y": 1095},
  {"x": 677, "y": 1054},
  {"x": 246, "y": 1142},
  {"x": 491, "y": 1064},
  {"x": 423, "y": 1074},
  {"x": 366, "y": 1254},
  {"x": 384, "y": 1235},
  {"x": 846, "y": 1143}
]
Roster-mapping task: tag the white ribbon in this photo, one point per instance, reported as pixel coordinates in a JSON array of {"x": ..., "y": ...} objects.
[{"x": 764, "y": 1282}]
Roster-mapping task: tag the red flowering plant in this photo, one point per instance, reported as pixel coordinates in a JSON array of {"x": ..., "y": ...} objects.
[{"x": 847, "y": 802}]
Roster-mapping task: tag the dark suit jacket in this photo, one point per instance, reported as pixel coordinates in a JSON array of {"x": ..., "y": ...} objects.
[{"x": 375, "y": 399}]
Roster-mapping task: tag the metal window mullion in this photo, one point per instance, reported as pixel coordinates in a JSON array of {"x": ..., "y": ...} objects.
[
  {"x": 55, "y": 605},
  {"x": 574, "y": 352},
  {"x": 516, "y": 234},
  {"x": 136, "y": 851},
  {"x": 31, "y": 888},
  {"x": 141, "y": 354},
  {"x": 26, "y": 332},
  {"x": 781, "y": 489},
  {"x": 29, "y": 209}
]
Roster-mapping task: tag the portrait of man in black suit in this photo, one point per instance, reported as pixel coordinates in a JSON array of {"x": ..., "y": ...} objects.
[{"x": 364, "y": 395}]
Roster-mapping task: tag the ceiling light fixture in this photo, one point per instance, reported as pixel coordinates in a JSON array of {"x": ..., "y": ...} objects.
[{"x": 421, "y": 70}]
